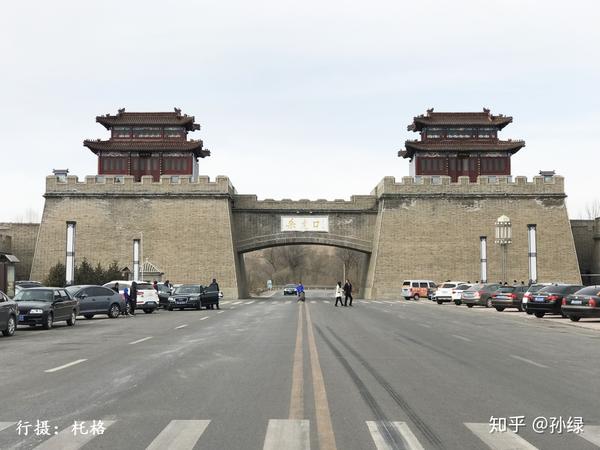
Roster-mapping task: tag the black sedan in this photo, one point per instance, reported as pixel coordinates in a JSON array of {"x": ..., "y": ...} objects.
[
  {"x": 193, "y": 296},
  {"x": 8, "y": 315},
  {"x": 509, "y": 297},
  {"x": 583, "y": 303},
  {"x": 97, "y": 300},
  {"x": 548, "y": 300},
  {"x": 289, "y": 289},
  {"x": 46, "y": 305}
]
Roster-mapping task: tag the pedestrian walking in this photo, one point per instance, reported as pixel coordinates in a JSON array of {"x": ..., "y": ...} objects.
[
  {"x": 116, "y": 288},
  {"x": 155, "y": 285},
  {"x": 214, "y": 287},
  {"x": 127, "y": 301},
  {"x": 133, "y": 292},
  {"x": 338, "y": 294},
  {"x": 300, "y": 292},
  {"x": 347, "y": 293}
]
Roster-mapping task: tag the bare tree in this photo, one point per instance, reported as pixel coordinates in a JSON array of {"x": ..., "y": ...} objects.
[{"x": 294, "y": 255}]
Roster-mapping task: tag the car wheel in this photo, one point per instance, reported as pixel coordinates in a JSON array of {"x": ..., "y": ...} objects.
[
  {"x": 114, "y": 311},
  {"x": 180, "y": 309},
  {"x": 529, "y": 312},
  {"x": 439, "y": 302},
  {"x": 488, "y": 303},
  {"x": 11, "y": 326},
  {"x": 49, "y": 322},
  {"x": 469, "y": 305},
  {"x": 88, "y": 316},
  {"x": 499, "y": 308},
  {"x": 457, "y": 302},
  {"x": 539, "y": 314},
  {"x": 574, "y": 318},
  {"x": 148, "y": 311},
  {"x": 416, "y": 297},
  {"x": 169, "y": 308},
  {"x": 71, "y": 320},
  {"x": 198, "y": 306}
]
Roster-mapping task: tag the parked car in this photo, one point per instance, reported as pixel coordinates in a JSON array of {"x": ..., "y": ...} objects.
[
  {"x": 548, "y": 300},
  {"x": 416, "y": 289},
  {"x": 457, "y": 292},
  {"x": 8, "y": 315},
  {"x": 480, "y": 294},
  {"x": 193, "y": 296},
  {"x": 45, "y": 306},
  {"x": 534, "y": 288},
  {"x": 444, "y": 292},
  {"x": 95, "y": 300},
  {"x": 147, "y": 298},
  {"x": 25, "y": 284},
  {"x": 289, "y": 289},
  {"x": 164, "y": 292},
  {"x": 509, "y": 297},
  {"x": 583, "y": 303}
]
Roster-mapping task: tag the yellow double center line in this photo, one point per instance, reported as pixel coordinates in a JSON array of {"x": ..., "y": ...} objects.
[{"x": 323, "y": 416}]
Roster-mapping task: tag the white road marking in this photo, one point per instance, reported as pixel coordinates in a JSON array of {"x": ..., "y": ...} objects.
[
  {"x": 140, "y": 340},
  {"x": 179, "y": 434},
  {"x": 181, "y": 326},
  {"x": 499, "y": 441},
  {"x": 377, "y": 301},
  {"x": 327, "y": 301},
  {"x": 528, "y": 361},
  {"x": 287, "y": 302},
  {"x": 249, "y": 303},
  {"x": 5, "y": 425},
  {"x": 591, "y": 433},
  {"x": 56, "y": 369},
  {"x": 206, "y": 317},
  {"x": 461, "y": 337},
  {"x": 287, "y": 435},
  {"x": 409, "y": 440},
  {"x": 236, "y": 303},
  {"x": 233, "y": 307},
  {"x": 225, "y": 302},
  {"x": 220, "y": 312},
  {"x": 68, "y": 440},
  {"x": 313, "y": 301},
  {"x": 425, "y": 325}
]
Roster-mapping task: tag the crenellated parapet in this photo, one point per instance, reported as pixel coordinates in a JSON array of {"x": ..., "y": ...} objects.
[
  {"x": 126, "y": 186},
  {"x": 356, "y": 203},
  {"x": 489, "y": 186}
]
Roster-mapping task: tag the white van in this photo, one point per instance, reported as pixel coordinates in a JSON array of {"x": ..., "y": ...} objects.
[{"x": 416, "y": 289}]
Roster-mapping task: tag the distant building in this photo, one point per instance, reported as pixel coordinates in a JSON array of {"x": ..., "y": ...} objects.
[
  {"x": 148, "y": 143},
  {"x": 460, "y": 144}
]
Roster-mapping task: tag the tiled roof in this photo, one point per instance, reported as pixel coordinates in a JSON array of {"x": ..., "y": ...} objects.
[
  {"x": 460, "y": 145},
  {"x": 156, "y": 146},
  {"x": 484, "y": 118},
  {"x": 123, "y": 118}
]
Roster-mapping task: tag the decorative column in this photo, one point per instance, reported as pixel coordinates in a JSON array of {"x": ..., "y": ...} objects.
[
  {"x": 70, "y": 254},
  {"x": 483, "y": 258},
  {"x": 136, "y": 260},
  {"x": 532, "y": 253}
]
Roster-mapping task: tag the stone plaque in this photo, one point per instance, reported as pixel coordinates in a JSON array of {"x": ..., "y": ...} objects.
[{"x": 305, "y": 223}]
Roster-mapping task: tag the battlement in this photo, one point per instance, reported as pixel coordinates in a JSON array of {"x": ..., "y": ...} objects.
[
  {"x": 356, "y": 203},
  {"x": 125, "y": 185},
  {"x": 485, "y": 185}
]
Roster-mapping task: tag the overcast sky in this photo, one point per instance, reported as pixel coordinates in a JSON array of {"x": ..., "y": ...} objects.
[{"x": 297, "y": 99}]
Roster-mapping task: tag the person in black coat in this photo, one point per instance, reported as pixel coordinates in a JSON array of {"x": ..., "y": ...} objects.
[
  {"x": 133, "y": 292},
  {"x": 347, "y": 293}
]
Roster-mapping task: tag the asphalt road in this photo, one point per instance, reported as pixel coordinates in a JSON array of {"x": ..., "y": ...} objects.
[{"x": 270, "y": 373}]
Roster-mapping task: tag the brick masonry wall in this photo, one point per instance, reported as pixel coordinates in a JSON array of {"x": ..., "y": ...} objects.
[
  {"x": 433, "y": 232},
  {"x": 23, "y": 239},
  {"x": 186, "y": 236},
  {"x": 583, "y": 235}
]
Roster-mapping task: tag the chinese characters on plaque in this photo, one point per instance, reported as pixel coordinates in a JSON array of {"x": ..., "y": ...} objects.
[{"x": 305, "y": 223}]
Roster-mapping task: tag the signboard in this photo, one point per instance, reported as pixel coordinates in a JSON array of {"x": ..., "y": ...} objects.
[{"x": 305, "y": 223}]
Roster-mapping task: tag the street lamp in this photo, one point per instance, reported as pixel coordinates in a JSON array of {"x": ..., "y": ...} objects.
[
  {"x": 70, "y": 254},
  {"x": 504, "y": 238},
  {"x": 483, "y": 258},
  {"x": 532, "y": 241}
]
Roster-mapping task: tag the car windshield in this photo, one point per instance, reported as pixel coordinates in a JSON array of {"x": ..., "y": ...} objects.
[
  {"x": 507, "y": 289},
  {"x": 144, "y": 287},
  {"x": 448, "y": 285},
  {"x": 191, "y": 289},
  {"x": 73, "y": 290},
  {"x": 27, "y": 284},
  {"x": 553, "y": 289},
  {"x": 163, "y": 288},
  {"x": 535, "y": 288},
  {"x": 35, "y": 295},
  {"x": 290, "y": 286},
  {"x": 462, "y": 287},
  {"x": 589, "y": 290}
]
